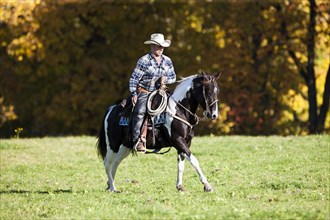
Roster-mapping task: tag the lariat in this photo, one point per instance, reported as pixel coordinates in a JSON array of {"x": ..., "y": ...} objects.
[{"x": 162, "y": 105}]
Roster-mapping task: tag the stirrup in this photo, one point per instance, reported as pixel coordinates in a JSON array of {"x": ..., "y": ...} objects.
[{"x": 140, "y": 142}]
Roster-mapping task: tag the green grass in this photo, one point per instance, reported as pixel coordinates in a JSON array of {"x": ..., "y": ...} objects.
[{"x": 253, "y": 178}]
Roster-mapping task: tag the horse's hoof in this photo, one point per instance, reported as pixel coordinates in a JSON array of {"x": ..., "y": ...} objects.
[
  {"x": 207, "y": 187},
  {"x": 112, "y": 191},
  {"x": 180, "y": 188}
]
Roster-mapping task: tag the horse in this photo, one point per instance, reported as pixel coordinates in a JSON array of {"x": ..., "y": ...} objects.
[{"x": 177, "y": 130}]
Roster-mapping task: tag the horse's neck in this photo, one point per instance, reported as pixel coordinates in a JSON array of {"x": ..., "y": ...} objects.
[
  {"x": 190, "y": 104},
  {"x": 183, "y": 95}
]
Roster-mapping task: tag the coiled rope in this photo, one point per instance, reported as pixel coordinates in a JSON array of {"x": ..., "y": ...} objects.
[{"x": 162, "y": 105}]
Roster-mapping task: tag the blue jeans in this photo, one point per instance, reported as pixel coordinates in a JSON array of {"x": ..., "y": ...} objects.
[{"x": 139, "y": 115}]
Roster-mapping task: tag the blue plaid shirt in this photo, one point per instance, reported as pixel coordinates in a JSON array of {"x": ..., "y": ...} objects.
[{"x": 147, "y": 72}]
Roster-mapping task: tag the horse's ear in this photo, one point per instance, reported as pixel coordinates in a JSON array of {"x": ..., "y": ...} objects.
[{"x": 217, "y": 75}]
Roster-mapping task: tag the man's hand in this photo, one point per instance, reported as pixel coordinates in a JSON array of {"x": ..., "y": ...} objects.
[
  {"x": 163, "y": 80},
  {"x": 134, "y": 99},
  {"x": 162, "y": 83},
  {"x": 163, "y": 87}
]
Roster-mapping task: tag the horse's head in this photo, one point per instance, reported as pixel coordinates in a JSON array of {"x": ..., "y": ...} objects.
[{"x": 206, "y": 91}]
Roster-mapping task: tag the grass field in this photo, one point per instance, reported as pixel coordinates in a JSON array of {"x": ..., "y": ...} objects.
[{"x": 253, "y": 178}]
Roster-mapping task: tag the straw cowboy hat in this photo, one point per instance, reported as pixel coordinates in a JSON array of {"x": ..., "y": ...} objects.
[{"x": 158, "y": 39}]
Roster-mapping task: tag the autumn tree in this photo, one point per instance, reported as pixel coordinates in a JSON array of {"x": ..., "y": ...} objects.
[
  {"x": 315, "y": 25},
  {"x": 64, "y": 62}
]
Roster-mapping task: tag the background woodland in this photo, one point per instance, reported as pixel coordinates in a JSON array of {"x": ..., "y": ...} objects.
[{"x": 62, "y": 63}]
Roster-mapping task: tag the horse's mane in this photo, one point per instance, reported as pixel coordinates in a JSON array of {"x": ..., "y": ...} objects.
[
  {"x": 183, "y": 85},
  {"x": 186, "y": 78}
]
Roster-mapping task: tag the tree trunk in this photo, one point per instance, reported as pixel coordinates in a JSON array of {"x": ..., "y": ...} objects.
[
  {"x": 325, "y": 105},
  {"x": 313, "y": 119}
]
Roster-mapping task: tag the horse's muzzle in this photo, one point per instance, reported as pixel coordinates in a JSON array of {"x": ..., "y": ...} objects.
[
  {"x": 211, "y": 116},
  {"x": 214, "y": 116}
]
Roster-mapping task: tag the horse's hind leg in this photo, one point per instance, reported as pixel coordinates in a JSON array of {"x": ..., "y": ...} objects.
[
  {"x": 111, "y": 164},
  {"x": 108, "y": 160},
  {"x": 122, "y": 153}
]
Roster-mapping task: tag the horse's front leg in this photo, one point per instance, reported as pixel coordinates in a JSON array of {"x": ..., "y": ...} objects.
[
  {"x": 179, "y": 182},
  {"x": 194, "y": 162}
]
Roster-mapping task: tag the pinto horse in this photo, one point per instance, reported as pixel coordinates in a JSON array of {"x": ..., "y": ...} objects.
[{"x": 177, "y": 130}]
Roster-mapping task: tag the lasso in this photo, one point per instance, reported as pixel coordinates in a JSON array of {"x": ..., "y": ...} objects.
[{"x": 162, "y": 105}]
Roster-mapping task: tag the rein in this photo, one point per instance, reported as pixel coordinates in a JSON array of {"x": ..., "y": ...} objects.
[
  {"x": 162, "y": 107},
  {"x": 185, "y": 108},
  {"x": 181, "y": 119}
]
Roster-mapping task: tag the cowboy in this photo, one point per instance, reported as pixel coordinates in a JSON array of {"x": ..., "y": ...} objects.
[{"x": 149, "y": 68}]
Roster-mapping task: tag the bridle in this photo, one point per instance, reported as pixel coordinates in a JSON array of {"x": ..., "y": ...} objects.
[
  {"x": 207, "y": 106},
  {"x": 207, "y": 110}
]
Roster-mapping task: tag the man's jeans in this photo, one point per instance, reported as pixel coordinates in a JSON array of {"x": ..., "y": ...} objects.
[{"x": 139, "y": 114}]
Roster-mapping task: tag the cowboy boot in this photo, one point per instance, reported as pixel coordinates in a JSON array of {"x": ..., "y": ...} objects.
[{"x": 141, "y": 147}]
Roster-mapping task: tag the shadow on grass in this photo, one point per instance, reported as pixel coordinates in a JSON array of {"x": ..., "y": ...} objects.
[{"x": 18, "y": 191}]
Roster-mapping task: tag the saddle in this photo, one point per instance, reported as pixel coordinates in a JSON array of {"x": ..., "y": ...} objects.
[
  {"x": 152, "y": 121},
  {"x": 127, "y": 108},
  {"x": 127, "y": 105}
]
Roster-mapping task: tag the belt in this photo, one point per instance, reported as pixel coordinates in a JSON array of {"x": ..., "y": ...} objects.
[{"x": 143, "y": 90}]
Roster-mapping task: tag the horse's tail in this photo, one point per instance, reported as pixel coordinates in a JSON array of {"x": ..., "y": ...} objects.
[{"x": 101, "y": 142}]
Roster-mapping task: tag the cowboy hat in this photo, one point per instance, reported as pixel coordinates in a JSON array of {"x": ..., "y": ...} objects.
[{"x": 158, "y": 39}]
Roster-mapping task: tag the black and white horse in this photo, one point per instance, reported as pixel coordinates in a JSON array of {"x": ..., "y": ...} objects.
[{"x": 177, "y": 130}]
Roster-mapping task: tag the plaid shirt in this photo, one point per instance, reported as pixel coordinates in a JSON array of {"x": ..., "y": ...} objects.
[{"x": 147, "y": 72}]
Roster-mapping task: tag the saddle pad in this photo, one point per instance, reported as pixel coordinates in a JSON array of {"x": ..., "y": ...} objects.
[{"x": 158, "y": 120}]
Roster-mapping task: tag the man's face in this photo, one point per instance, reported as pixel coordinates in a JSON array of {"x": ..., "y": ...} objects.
[{"x": 157, "y": 50}]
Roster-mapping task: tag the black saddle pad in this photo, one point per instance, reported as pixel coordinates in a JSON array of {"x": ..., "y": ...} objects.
[{"x": 158, "y": 120}]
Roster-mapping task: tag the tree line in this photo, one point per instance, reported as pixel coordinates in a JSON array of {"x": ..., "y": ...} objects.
[{"x": 64, "y": 62}]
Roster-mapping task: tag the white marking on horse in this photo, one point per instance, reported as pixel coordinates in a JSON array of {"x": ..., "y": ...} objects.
[
  {"x": 112, "y": 159},
  {"x": 178, "y": 95},
  {"x": 108, "y": 160},
  {"x": 179, "y": 182},
  {"x": 194, "y": 162},
  {"x": 111, "y": 163},
  {"x": 216, "y": 104},
  {"x": 181, "y": 90},
  {"x": 106, "y": 128},
  {"x": 216, "y": 110}
]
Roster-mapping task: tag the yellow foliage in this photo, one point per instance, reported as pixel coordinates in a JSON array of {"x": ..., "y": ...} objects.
[
  {"x": 196, "y": 23},
  {"x": 19, "y": 14},
  {"x": 302, "y": 57},
  {"x": 297, "y": 104},
  {"x": 264, "y": 42},
  {"x": 26, "y": 45},
  {"x": 320, "y": 74},
  {"x": 220, "y": 36},
  {"x": 221, "y": 125},
  {"x": 90, "y": 57},
  {"x": 6, "y": 112}
]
